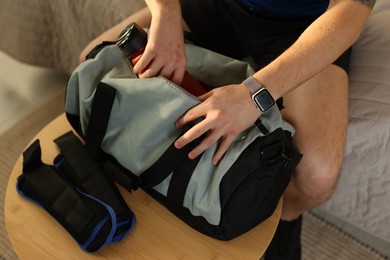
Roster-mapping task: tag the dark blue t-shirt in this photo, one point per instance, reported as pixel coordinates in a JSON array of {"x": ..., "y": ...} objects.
[{"x": 290, "y": 8}]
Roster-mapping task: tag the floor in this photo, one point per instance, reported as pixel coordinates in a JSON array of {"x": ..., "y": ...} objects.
[{"x": 24, "y": 87}]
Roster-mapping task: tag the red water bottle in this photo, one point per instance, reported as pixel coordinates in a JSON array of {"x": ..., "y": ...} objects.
[{"x": 132, "y": 42}]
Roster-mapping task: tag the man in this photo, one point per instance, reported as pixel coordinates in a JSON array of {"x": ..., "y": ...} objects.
[{"x": 301, "y": 50}]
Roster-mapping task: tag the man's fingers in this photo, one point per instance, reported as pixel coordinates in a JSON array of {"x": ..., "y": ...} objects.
[
  {"x": 193, "y": 133},
  {"x": 211, "y": 138},
  {"x": 223, "y": 146},
  {"x": 142, "y": 64},
  {"x": 190, "y": 116},
  {"x": 177, "y": 76}
]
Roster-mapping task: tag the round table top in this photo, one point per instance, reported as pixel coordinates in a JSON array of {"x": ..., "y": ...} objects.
[{"x": 158, "y": 234}]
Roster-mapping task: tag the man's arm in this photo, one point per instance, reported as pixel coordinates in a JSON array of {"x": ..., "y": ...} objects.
[
  {"x": 164, "y": 54},
  {"x": 318, "y": 46},
  {"x": 227, "y": 111}
]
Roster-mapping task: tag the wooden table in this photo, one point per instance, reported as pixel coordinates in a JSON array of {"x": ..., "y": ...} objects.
[{"x": 158, "y": 234}]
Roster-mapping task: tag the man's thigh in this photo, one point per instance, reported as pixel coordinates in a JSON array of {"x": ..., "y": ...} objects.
[{"x": 318, "y": 110}]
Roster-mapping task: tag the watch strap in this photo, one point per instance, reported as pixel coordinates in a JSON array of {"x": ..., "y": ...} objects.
[{"x": 252, "y": 84}]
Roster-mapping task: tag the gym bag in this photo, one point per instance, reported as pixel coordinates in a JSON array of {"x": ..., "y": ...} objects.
[{"x": 128, "y": 126}]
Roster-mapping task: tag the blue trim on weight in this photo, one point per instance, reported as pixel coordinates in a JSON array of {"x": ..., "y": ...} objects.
[
  {"x": 27, "y": 197},
  {"x": 93, "y": 235},
  {"x": 58, "y": 164},
  {"x": 121, "y": 236},
  {"x": 95, "y": 231},
  {"x": 111, "y": 212},
  {"x": 97, "y": 228},
  {"x": 114, "y": 226}
]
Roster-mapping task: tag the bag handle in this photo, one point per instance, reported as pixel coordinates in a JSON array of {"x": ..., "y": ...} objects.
[
  {"x": 99, "y": 117},
  {"x": 97, "y": 127},
  {"x": 170, "y": 160}
]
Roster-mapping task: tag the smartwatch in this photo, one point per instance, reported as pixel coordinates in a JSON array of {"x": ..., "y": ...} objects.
[{"x": 260, "y": 95}]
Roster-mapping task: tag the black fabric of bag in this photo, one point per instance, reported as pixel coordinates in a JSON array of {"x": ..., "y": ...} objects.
[{"x": 249, "y": 191}]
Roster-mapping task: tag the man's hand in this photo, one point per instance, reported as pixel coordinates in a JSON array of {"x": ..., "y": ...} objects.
[
  {"x": 164, "y": 54},
  {"x": 227, "y": 111}
]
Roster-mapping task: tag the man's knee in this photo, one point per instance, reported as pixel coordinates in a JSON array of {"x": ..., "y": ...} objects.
[
  {"x": 320, "y": 124},
  {"x": 316, "y": 177}
]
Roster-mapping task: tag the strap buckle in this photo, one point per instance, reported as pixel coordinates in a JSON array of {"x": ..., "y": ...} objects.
[{"x": 259, "y": 124}]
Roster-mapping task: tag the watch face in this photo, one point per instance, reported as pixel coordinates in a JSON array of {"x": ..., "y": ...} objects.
[{"x": 263, "y": 99}]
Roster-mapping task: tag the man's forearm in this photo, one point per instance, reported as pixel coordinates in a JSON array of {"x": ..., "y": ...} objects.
[
  {"x": 165, "y": 13},
  {"x": 159, "y": 5},
  {"x": 318, "y": 46},
  {"x": 160, "y": 9}
]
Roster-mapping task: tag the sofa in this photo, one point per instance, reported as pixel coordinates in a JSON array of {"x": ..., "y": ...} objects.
[{"x": 53, "y": 33}]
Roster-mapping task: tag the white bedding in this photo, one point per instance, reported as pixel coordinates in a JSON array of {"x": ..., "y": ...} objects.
[{"x": 363, "y": 193}]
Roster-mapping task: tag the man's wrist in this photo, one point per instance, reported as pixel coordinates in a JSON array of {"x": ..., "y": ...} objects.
[{"x": 260, "y": 94}]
